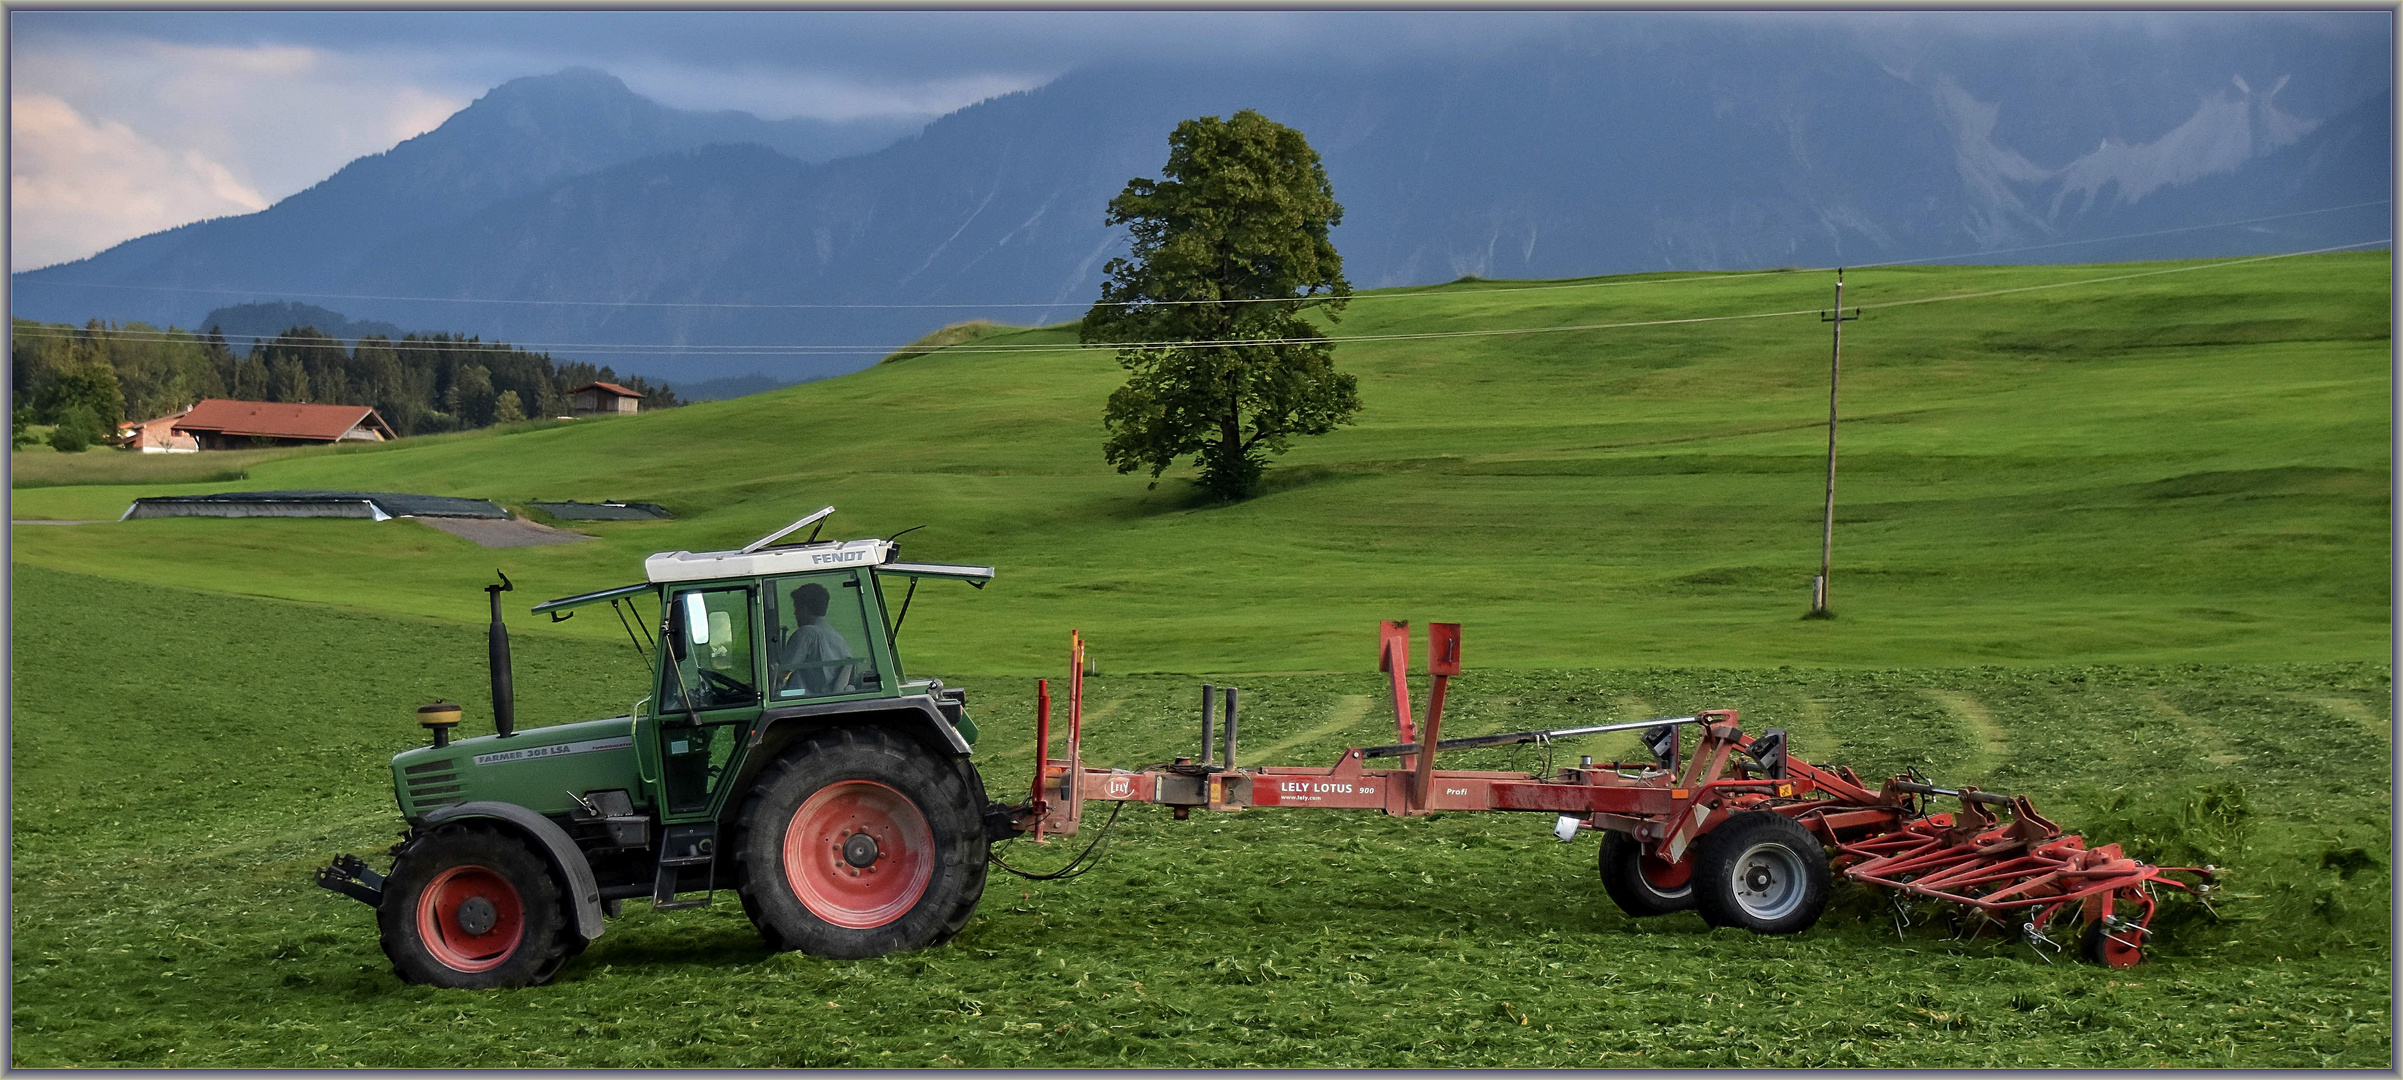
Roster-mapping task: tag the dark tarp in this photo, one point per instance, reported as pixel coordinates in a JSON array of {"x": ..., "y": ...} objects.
[
  {"x": 365, "y": 504},
  {"x": 607, "y": 511}
]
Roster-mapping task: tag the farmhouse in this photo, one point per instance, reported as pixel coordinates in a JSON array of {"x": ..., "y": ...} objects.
[
  {"x": 603, "y": 397},
  {"x": 221, "y": 424},
  {"x": 157, "y": 436}
]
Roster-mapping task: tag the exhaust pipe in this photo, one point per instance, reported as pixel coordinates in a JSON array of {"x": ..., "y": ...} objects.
[{"x": 504, "y": 694}]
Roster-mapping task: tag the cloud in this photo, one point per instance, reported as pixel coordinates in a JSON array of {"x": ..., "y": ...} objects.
[
  {"x": 77, "y": 185},
  {"x": 277, "y": 117},
  {"x": 779, "y": 95}
]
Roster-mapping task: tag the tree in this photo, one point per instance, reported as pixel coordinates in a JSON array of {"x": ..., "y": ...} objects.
[
  {"x": 288, "y": 380},
  {"x": 505, "y": 409},
  {"x": 78, "y": 429},
  {"x": 92, "y": 386},
  {"x": 470, "y": 394},
  {"x": 1229, "y": 249}
]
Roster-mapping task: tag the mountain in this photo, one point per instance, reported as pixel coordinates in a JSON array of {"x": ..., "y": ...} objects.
[
  {"x": 521, "y": 137},
  {"x": 245, "y": 324},
  {"x": 1639, "y": 143}
]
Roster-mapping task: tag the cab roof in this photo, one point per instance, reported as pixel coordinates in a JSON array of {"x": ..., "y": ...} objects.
[
  {"x": 670, "y": 566},
  {"x": 765, "y": 557}
]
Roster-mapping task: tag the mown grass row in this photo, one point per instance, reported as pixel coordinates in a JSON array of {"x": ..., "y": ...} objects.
[{"x": 169, "y": 802}]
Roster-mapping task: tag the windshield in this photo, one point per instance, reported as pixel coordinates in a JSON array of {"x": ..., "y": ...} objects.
[{"x": 818, "y": 624}]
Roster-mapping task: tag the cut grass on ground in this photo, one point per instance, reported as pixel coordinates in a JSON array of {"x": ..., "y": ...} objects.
[{"x": 170, "y": 802}]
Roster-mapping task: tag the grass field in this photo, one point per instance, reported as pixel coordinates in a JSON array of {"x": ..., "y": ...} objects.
[
  {"x": 163, "y": 915},
  {"x": 2122, "y": 546},
  {"x": 2185, "y": 467}
]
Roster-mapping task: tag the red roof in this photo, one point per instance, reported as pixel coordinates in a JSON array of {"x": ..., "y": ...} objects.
[
  {"x": 609, "y": 386},
  {"x": 278, "y": 420},
  {"x": 124, "y": 425}
]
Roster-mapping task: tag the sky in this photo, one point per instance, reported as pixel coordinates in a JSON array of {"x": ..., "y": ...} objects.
[{"x": 124, "y": 123}]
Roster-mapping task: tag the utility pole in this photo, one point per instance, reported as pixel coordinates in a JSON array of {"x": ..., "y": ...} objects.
[{"x": 1835, "y": 370}]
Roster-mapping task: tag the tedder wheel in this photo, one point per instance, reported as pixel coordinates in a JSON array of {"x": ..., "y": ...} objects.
[
  {"x": 1760, "y": 871},
  {"x": 859, "y": 842},
  {"x": 1642, "y": 883},
  {"x": 470, "y": 907},
  {"x": 2119, "y": 950}
]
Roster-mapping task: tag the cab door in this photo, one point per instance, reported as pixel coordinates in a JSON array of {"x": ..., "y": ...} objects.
[{"x": 708, "y": 693}]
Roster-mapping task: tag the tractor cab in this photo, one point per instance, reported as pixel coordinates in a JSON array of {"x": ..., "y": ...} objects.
[
  {"x": 777, "y": 709},
  {"x": 774, "y": 631}
]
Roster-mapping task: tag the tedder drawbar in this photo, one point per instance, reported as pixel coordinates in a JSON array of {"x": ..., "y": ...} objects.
[{"x": 781, "y": 755}]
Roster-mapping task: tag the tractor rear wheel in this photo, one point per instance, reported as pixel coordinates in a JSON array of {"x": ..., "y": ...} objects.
[
  {"x": 859, "y": 842},
  {"x": 1761, "y": 871},
  {"x": 470, "y": 907},
  {"x": 1642, "y": 883}
]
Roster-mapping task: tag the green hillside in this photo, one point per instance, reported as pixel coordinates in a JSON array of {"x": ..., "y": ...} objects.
[{"x": 2188, "y": 466}]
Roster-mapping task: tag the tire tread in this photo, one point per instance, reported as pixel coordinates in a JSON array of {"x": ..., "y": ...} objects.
[
  {"x": 1714, "y": 858},
  {"x": 958, "y": 883}
]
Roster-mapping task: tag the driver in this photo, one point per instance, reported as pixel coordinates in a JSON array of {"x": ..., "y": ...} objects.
[{"x": 814, "y": 644}]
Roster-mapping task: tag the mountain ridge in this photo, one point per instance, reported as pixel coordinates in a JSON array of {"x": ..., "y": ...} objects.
[{"x": 1557, "y": 159}]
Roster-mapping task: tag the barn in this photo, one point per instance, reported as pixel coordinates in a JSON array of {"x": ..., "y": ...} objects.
[
  {"x": 223, "y": 424},
  {"x": 604, "y": 398}
]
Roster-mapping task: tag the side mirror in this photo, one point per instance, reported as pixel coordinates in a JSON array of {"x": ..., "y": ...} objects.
[{"x": 696, "y": 620}]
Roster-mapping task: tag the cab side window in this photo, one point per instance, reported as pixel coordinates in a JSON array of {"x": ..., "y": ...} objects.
[
  {"x": 819, "y": 645},
  {"x": 710, "y": 669},
  {"x": 710, "y": 663}
]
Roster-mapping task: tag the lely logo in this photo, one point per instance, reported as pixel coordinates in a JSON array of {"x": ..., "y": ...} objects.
[{"x": 1119, "y": 787}]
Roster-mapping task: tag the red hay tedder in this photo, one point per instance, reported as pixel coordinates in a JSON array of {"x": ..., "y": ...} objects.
[{"x": 1733, "y": 826}]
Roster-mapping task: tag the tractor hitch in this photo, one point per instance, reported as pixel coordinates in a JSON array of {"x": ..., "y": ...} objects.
[{"x": 350, "y": 876}]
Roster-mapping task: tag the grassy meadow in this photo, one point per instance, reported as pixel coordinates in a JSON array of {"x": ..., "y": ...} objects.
[
  {"x": 2191, "y": 466},
  {"x": 2121, "y": 546}
]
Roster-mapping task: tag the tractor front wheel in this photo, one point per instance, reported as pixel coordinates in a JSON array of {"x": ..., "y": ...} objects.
[
  {"x": 1642, "y": 883},
  {"x": 470, "y": 907},
  {"x": 858, "y": 842},
  {"x": 1761, "y": 871}
]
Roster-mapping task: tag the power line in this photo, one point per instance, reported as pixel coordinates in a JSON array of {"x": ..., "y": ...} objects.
[
  {"x": 1414, "y": 292},
  {"x": 622, "y": 348}
]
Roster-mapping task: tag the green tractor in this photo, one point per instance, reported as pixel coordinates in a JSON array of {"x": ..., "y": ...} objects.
[{"x": 780, "y": 755}]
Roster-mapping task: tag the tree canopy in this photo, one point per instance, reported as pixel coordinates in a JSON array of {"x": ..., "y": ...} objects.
[
  {"x": 419, "y": 384},
  {"x": 1230, "y": 247}
]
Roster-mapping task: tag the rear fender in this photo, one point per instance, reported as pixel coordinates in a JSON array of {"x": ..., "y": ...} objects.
[
  {"x": 575, "y": 873},
  {"x": 915, "y": 717}
]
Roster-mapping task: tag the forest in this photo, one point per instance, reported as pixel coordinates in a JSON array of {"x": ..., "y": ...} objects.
[{"x": 88, "y": 379}]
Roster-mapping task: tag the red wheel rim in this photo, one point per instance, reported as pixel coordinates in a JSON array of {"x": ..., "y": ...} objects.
[
  {"x": 448, "y": 907},
  {"x": 1664, "y": 875},
  {"x": 823, "y": 859}
]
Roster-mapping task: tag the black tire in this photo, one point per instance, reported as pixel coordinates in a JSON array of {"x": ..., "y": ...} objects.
[
  {"x": 2124, "y": 949},
  {"x": 887, "y": 778},
  {"x": 1761, "y": 871},
  {"x": 1638, "y": 893},
  {"x": 436, "y": 934}
]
